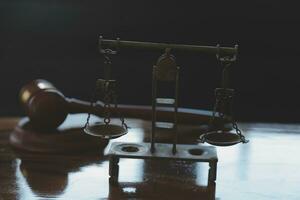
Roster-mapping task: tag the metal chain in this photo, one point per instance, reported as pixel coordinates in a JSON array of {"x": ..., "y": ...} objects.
[
  {"x": 106, "y": 88},
  {"x": 93, "y": 98},
  {"x": 239, "y": 132},
  {"x": 214, "y": 114},
  {"x": 211, "y": 122},
  {"x": 221, "y": 114},
  {"x": 107, "y": 100},
  {"x": 110, "y": 95},
  {"x": 115, "y": 99}
]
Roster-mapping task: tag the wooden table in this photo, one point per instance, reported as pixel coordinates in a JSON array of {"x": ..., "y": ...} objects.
[{"x": 268, "y": 167}]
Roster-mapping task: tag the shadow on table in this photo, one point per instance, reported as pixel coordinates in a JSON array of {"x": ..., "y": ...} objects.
[{"x": 48, "y": 174}]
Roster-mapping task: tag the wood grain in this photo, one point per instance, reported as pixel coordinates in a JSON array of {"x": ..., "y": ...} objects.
[{"x": 266, "y": 168}]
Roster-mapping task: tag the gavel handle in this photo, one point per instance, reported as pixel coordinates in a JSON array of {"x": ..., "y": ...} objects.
[
  {"x": 185, "y": 115},
  {"x": 78, "y": 106}
]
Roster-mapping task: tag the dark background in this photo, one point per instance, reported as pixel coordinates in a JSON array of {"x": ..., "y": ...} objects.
[{"x": 57, "y": 41}]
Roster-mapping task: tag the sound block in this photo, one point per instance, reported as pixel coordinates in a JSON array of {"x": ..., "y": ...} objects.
[{"x": 67, "y": 138}]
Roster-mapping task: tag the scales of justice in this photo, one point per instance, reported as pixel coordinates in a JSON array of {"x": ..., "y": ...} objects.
[{"x": 165, "y": 70}]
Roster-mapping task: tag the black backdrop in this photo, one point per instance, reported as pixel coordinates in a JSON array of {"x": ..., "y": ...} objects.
[{"x": 57, "y": 41}]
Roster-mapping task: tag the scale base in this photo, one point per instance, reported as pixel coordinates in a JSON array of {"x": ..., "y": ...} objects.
[{"x": 194, "y": 153}]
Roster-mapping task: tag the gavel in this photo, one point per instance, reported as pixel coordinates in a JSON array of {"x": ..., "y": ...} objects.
[{"x": 47, "y": 107}]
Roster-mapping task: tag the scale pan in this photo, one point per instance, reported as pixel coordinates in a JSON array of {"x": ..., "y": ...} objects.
[
  {"x": 106, "y": 131},
  {"x": 222, "y": 138}
]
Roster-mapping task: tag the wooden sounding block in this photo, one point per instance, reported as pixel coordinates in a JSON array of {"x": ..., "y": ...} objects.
[{"x": 68, "y": 137}]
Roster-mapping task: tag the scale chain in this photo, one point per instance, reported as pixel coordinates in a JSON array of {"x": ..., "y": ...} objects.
[
  {"x": 106, "y": 100},
  {"x": 114, "y": 96},
  {"x": 93, "y": 99},
  {"x": 239, "y": 132},
  {"x": 110, "y": 94}
]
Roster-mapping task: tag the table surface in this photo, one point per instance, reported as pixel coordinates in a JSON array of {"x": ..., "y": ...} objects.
[{"x": 268, "y": 167}]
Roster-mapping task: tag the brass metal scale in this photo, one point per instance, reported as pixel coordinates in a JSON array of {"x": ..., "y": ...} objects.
[
  {"x": 106, "y": 90},
  {"x": 165, "y": 70}
]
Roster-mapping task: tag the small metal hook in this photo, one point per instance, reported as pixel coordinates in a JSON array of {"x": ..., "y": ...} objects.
[
  {"x": 103, "y": 50},
  {"x": 168, "y": 51},
  {"x": 227, "y": 60}
]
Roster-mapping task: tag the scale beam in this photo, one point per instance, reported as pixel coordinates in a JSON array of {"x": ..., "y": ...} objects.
[{"x": 230, "y": 51}]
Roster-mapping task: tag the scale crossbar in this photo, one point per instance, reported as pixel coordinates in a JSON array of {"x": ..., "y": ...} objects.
[{"x": 105, "y": 43}]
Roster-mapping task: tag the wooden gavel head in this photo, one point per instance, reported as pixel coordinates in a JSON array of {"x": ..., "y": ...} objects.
[{"x": 46, "y": 106}]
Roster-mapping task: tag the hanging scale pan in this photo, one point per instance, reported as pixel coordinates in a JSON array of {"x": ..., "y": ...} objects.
[
  {"x": 106, "y": 131},
  {"x": 221, "y": 138}
]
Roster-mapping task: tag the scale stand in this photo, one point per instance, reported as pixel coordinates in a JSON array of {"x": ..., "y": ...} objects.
[
  {"x": 195, "y": 153},
  {"x": 165, "y": 70}
]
